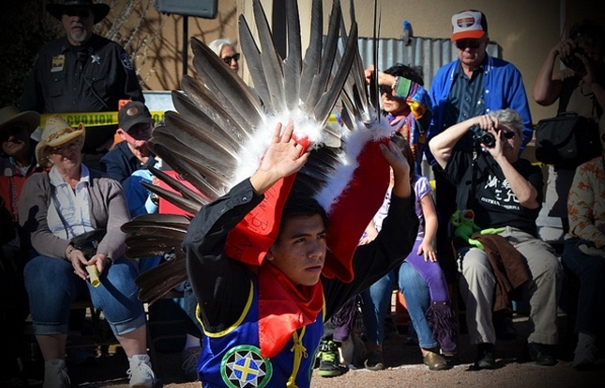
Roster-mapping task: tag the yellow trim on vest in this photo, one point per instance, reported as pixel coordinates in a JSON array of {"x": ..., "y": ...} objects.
[
  {"x": 239, "y": 321},
  {"x": 323, "y": 310},
  {"x": 299, "y": 352}
]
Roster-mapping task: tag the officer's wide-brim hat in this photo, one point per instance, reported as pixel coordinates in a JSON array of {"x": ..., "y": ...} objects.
[
  {"x": 100, "y": 10},
  {"x": 10, "y": 115},
  {"x": 56, "y": 132}
]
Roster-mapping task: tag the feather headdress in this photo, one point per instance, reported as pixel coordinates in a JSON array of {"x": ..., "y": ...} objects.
[{"x": 223, "y": 128}]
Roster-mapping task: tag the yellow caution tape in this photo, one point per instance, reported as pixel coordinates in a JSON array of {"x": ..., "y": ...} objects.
[{"x": 94, "y": 119}]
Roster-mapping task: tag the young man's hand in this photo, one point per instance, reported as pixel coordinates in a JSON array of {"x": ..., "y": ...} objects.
[{"x": 283, "y": 157}]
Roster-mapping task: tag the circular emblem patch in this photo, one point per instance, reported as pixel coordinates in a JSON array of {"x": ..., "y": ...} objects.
[{"x": 244, "y": 367}]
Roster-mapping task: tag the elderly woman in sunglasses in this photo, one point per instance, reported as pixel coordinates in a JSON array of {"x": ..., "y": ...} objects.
[
  {"x": 504, "y": 191},
  {"x": 225, "y": 49}
]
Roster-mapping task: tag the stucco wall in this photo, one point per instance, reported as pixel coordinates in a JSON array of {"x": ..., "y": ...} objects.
[{"x": 524, "y": 29}]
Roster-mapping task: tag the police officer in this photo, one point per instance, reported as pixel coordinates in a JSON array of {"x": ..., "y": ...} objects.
[{"x": 82, "y": 72}]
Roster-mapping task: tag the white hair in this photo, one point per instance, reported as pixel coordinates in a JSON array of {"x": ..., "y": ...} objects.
[
  {"x": 509, "y": 117},
  {"x": 218, "y": 44}
]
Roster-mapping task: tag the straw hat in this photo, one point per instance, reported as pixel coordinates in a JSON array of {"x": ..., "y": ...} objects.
[
  {"x": 100, "y": 10},
  {"x": 56, "y": 132},
  {"x": 10, "y": 115}
]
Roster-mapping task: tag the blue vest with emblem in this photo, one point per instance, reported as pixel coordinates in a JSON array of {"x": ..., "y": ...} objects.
[{"x": 232, "y": 358}]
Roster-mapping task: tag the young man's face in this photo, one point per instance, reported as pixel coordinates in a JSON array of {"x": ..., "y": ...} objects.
[{"x": 300, "y": 250}]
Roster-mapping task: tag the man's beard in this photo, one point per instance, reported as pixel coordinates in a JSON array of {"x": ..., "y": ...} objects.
[{"x": 79, "y": 36}]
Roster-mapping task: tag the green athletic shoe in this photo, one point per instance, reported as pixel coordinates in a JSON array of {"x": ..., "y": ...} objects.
[{"x": 328, "y": 359}]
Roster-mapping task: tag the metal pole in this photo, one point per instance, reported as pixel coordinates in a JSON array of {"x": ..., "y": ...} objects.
[{"x": 185, "y": 41}]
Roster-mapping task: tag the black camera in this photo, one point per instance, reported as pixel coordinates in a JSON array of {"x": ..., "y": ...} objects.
[
  {"x": 485, "y": 138},
  {"x": 573, "y": 62}
]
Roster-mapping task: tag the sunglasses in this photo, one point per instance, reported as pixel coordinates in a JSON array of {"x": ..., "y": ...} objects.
[
  {"x": 82, "y": 13},
  {"x": 508, "y": 134},
  {"x": 139, "y": 129},
  {"x": 385, "y": 89},
  {"x": 468, "y": 43},
  {"x": 234, "y": 57},
  {"x": 12, "y": 130}
]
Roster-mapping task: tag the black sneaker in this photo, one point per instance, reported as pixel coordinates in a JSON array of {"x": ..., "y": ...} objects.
[
  {"x": 485, "y": 356},
  {"x": 542, "y": 354},
  {"x": 328, "y": 359}
]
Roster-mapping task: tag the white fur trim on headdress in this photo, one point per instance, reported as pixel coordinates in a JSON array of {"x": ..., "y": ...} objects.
[{"x": 354, "y": 144}]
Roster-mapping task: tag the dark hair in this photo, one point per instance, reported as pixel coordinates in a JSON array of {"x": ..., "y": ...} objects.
[
  {"x": 406, "y": 150},
  {"x": 298, "y": 204},
  {"x": 588, "y": 33},
  {"x": 412, "y": 73}
]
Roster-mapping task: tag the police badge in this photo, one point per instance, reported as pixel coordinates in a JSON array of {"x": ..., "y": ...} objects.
[{"x": 125, "y": 59}]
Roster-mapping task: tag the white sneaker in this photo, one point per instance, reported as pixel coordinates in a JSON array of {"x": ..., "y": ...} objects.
[
  {"x": 140, "y": 373},
  {"x": 55, "y": 374},
  {"x": 190, "y": 359}
]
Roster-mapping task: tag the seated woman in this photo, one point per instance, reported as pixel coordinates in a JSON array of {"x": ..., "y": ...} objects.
[
  {"x": 55, "y": 207},
  {"x": 408, "y": 109},
  {"x": 584, "y": 252},
  {"x": 433, "y": 319}
]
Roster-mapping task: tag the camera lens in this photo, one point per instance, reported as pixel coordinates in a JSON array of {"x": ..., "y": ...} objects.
[
  {"x": 483, "y": 137},
  {"x": 573, "y": 62},
  {"x": 488, "y": 140}
]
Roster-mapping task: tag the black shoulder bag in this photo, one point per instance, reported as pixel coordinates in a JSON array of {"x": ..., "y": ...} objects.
[{"x": 567, "y": 140}]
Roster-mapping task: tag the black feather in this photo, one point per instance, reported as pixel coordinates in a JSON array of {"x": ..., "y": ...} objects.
[
  {"x": 270, "y": 58},
  {"x": 312, "y": 61}
]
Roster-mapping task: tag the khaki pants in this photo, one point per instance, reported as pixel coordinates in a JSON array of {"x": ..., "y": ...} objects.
[{"x": 477, "y": 286}]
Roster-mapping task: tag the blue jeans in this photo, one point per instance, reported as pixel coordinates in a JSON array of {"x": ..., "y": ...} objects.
[
  {"x": 377, "y": 299},
  {"x": 591, "y": 299},
  {"x": 417, "y": 300},
  {"x": 52, "y": 286}
]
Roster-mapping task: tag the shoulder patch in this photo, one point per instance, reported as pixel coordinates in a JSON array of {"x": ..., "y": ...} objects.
[
  {"x": 125, "y": 59},
  {"x": 243, "y": 366}
]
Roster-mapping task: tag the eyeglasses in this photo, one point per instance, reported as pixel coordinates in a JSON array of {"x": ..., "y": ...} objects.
[
  {"x": 234, "y": 57},
  {"x": 60, "y": 150},
  {"x": 470, "y": 43},
  {"x": 82, "y": 13},
  {"x": 508, "y": 134}
]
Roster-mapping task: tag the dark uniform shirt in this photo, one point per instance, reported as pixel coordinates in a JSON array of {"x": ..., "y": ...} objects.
[{"x": 90, "y": 78}]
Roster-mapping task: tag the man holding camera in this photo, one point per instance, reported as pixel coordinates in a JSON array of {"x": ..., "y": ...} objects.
[
  {"x": 505, "y": 193},
  {"x": 472, "y": 85}
]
